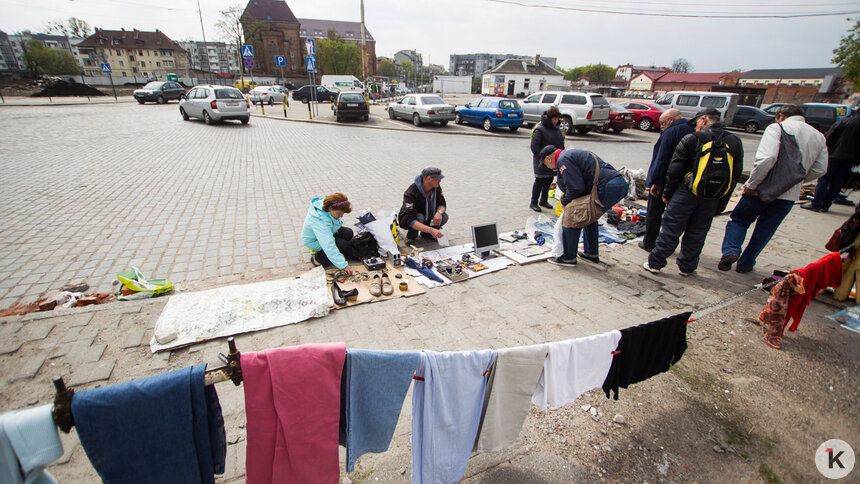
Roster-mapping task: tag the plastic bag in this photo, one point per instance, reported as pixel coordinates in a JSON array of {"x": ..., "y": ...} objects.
[
  {"x": 136, "y": 282},
  {"x": 380, "y": 228},
  {"x": 557, "y": 246}
]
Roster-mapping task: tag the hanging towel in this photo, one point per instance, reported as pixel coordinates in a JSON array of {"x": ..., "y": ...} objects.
[
  {"x": 510, "y": 386},
  {"x": 647, "y": 350},
  {"x": 154, "y": 429},
  {"x": 28, "y": 443},
  {"x": 821, "y": 274},
  {"x": 573, "y": 367},
  {"x": 372, "y": 392},
  {"x": 292, "y": 405},
  {"x": 447, "y": 398}
]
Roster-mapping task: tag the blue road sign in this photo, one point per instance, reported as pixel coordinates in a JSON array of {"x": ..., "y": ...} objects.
[
  {"x": 311, "y": 47},
  {"x": 280, "y": 60},
  {"x": 248, "y": 51},
  {"x": 105, "y": 67},
  {"x": 311, "y": 64},
  {"x": 249, "y": 64}
]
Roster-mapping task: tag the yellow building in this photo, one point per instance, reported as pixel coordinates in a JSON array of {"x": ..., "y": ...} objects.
[{"x": 132, "y": 53}]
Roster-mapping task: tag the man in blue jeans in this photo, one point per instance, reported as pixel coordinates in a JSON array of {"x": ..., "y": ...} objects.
[
  {"x": 575, "y": 179},
  {"x": 768, "y": 216}
]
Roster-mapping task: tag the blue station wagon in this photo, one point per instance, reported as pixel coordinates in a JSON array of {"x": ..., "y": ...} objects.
[{"x": 491, "y": 113}]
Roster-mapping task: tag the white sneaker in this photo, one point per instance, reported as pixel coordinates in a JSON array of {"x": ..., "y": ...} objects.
[{"x": 649, "y": 268}]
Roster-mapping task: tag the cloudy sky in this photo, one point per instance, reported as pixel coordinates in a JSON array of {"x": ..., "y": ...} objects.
[{"x": 576, "y": 32}]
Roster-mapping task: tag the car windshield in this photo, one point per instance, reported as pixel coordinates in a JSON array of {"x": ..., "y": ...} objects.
[
  {"x": 153, "y": 85},
  {"x": 228, "y": 94},
  {"x": 508, "y": 104},
  {"x": 432, "y": 100},
  {"x": 598, "y": 100},
  {"x": 352, "y": 98}
]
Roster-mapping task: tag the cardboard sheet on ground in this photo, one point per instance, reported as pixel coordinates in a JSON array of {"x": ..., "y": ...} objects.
[
  {"x": 523, "y": 251},
  {"x": 225, "y": 311},
  {"x": 455, "y": 253},
  {"x": 363, "y": 286}
]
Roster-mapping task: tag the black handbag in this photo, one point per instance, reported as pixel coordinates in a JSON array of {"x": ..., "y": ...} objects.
[{"x": 787, "y": 172}]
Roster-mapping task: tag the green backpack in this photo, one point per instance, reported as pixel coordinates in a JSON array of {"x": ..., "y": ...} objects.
[{"x": 712, "y": 175}]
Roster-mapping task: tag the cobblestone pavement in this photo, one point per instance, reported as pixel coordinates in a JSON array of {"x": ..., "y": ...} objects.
[{"x": 218, "y": 205}]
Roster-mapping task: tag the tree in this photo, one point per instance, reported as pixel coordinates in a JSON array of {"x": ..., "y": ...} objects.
[
  {"x": 386, "y": 68},
  {"x": 236, "y": 31},
  {"x": 72, "y": 26},
  {"x": 847, "y": 55},
  {"x": 594, "y": 72},
  {"x": 681, "y": 65},
  {"x": 39, "y": 59},
  {"x": 336, "y": 57}
]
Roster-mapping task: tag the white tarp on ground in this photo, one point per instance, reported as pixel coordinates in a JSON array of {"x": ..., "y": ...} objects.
[
  {"x": 216, "y": 313},
  {"x": 455, "y": 253}
]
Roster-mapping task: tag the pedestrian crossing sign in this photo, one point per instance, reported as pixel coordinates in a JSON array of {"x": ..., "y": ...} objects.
[{"x": 247, "y": 51}]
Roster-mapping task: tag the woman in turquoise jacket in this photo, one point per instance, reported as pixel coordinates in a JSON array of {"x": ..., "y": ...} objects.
[{"x": 324, "y": 233}]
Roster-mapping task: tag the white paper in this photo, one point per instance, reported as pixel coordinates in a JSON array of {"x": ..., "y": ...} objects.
[{"x": 443, "y": 241}]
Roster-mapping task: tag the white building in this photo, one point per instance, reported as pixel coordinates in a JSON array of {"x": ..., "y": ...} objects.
[
  {"x": 211, "y": 57},
  {"x": 452, "y": 84},
  {"x": 513, "y": 77}
]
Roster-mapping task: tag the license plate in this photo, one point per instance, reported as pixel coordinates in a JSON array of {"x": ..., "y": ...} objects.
[
  {"x": 232, "y": 103},
  {"x": 352, "y": 105},
  {"x": 512, "y": 115},
  {"x": 442, "y": 112}
]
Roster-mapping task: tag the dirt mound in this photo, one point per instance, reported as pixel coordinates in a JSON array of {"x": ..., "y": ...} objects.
[{"x": 62, "y": 88}]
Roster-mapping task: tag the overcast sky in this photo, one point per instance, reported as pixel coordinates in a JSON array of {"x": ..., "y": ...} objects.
[{"x": 439, "y": 28}]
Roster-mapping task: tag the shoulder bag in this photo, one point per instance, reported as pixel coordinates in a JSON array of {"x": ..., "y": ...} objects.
[
  {"x": 585, "y": 210},
  {"x": 787, "y": 172}
]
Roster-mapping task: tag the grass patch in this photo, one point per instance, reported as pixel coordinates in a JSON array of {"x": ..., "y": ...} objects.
[
  {"x": 768, "y": 474},
  {"x": 769, "y": 442},
  {"x": 359, "y": 478}
]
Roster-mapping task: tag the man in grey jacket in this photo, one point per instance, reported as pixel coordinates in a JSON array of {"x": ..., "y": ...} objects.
[{"x": 768, "y": 216}]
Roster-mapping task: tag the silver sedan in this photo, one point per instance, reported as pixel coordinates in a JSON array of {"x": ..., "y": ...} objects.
[{"x": 422, "y": 108}]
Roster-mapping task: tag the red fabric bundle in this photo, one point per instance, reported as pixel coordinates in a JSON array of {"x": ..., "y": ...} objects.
[{"x": 821, "y": 274}]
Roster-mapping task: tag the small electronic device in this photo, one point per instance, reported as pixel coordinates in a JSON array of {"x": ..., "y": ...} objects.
[
  {"x": 486, "y": 239},
  {"x": 373, "y": 263}
]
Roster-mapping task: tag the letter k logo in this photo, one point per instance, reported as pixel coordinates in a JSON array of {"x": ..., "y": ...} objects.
[{"x": 834, "y": 458}]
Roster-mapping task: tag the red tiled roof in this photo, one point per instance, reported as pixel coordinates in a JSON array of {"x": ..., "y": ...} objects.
[
  {"x": 130, "y": 39},
  {"x": 693, "y": 77}
]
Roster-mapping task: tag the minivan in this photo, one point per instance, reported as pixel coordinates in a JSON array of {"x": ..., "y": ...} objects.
[
  {"x": 691, "y": 102},
  {"x": 822, "y": 116},
  {"x": 582, "y": 111}
]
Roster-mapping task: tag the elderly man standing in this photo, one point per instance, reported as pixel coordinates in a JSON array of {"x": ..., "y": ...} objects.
[
  {"x": 768, "y": 216},
  {"x": 694, "y": 193},
  {"x": 674, "y": 128}
]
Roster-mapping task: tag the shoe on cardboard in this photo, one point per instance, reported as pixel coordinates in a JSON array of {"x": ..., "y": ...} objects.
[
  {"x": 387, "y": 288},
  {"x": 376, "y": 286},
  {"x": 337, "y": 294},
  {"x": 350, "y": 295}
]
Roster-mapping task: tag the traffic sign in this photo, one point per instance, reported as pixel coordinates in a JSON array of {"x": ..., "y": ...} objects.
[
  {"x": 248, "y": 51},
  {"x": 105, "y": 67},
  {"x": 280, "y": 60},
  {"x": 311, "y": 47},
  {"x": 249, "y": 64},
  {"x": 312, "y": 64}
]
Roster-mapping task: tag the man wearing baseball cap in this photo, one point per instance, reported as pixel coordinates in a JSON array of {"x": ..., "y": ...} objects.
[{"x": 424, "y": 209}]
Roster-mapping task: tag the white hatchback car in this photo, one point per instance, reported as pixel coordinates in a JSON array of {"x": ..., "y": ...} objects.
[
  {"x": 215, "y": 103},
  {"x": 267, "y": 94}
]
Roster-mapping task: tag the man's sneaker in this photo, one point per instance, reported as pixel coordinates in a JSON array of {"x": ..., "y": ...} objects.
[
  {"x": 590, "y": 258},
  {"x": 686, "y": 274},
  {"x": 561, "y": 262},
  {"x": 843, "y": 201},
  {"x": 727, "y": 261},
  {"x": 649, "y": 268},
  {"x": 809, "y": 206}
]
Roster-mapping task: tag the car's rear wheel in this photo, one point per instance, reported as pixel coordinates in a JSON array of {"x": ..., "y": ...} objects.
[
  {"x": 443, "y": 123},
  {"x": 488, "y": 124},
  {"x": 339, "y": 118},
  {"x": 751, "y": 127},
  {"x": 458, "y": 119},
  {"x": 513, "y": 128},
  {"x": 141, "y": 101},
  {"x": 160, "y": 100},
  {"x": 271, "y": 101},
  {"x": 184, "y": 114},
  {"x": 645, "y": 124},
  {"x": 366, "y": 117},
  {"x": 245, "y": 120},
  {"x": 617, "y": 130},
  {"x": 582, "y": 129},
  {"x": 304, "y": 100},
  {"x": 565, "y": 124},
  {"x": 391, "y": 113},
  {"x": 206, "y": 118},
  {"x": 416, "y": 119}
]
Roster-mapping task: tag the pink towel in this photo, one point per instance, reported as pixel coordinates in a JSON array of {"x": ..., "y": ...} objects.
[{"x": 292, "y": 404}]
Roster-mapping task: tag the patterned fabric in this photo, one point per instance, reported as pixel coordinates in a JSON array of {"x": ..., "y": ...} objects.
[{"x": 772, "y": 318}]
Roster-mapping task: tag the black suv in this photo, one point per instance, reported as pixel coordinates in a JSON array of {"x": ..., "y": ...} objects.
[
  {"x": 306, "y": 94},
  {"x": 159, "y": 92}
]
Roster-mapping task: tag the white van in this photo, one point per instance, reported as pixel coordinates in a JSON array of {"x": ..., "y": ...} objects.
[
  {"x": 691, "y": 102},
  {"x": 342, "y": 83}
]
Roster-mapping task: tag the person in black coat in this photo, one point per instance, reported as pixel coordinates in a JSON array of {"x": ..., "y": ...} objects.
[
  {"x": 843, "y": 145},
  {"x": 543, "y": 135}
]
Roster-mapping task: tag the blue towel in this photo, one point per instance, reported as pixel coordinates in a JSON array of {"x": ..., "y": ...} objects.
[
  {"x": 374, "y": 385},
  {"x": 446, "y": 412},
  {"x": 155, "y": 429}
]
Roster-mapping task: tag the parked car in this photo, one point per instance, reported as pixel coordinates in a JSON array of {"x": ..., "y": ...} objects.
[
  {"x": 159, "y": 92},
  {"x": 422, "y": 108},
  {"x": 267, "y": 94},
  {"x": 691, "y": 102},
  {"x": 822, "y": 116},
  {"x": 751, "y": 119},
  {"x": 311, "y": 92},
  {"x": 581, "y": 111},
  {"x": 244, "y": 86},
  {"x": 215, "y": 103},
  {"x": 619, "y": 119},
  {"x": 491, "y": 113},
  {"x": 773, "y": 108},
  {"x": 645, "y": 115},
  {"x": 350, "y": 105}
]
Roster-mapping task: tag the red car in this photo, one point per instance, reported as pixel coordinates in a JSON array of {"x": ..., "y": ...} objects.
[
  {"x": 619, "y": 119},
  {"x": 646, "y": 116}
]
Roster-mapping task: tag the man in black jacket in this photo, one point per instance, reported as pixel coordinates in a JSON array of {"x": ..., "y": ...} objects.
[
  {"x": 843, "y": 145},
  {"x": 424, "y": 209},
  {"x": 688, "y": 214}
]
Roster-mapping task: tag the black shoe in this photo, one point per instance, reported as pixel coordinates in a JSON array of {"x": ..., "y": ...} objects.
[
  {"x": 337, "y": 294},
  {"x": 743, "y": 271},
  {"x": 843, "y": 201},
  {"x": 547, "y": 205},
  {"x": 314, "y": 261},
  {"x": 351, "y": 294},
  {"x": 590, "y": 258},
  {"x": 643, "y": 247},
  {"x": 534, "y": 207},
  {"x": 727, "y": 261},
  {"x": 561, "y": 262},
  {"x": 809, "y": 206}
]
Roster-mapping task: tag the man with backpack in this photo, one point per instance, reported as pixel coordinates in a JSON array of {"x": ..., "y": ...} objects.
[
  {"x": 788, "y": 140},
  {"x": 700, "y": 179}
]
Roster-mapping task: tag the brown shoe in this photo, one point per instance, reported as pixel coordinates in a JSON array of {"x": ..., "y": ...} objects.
[
  {"x": 376, "y": 286},
  {"x": 387, "y": 288}
]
